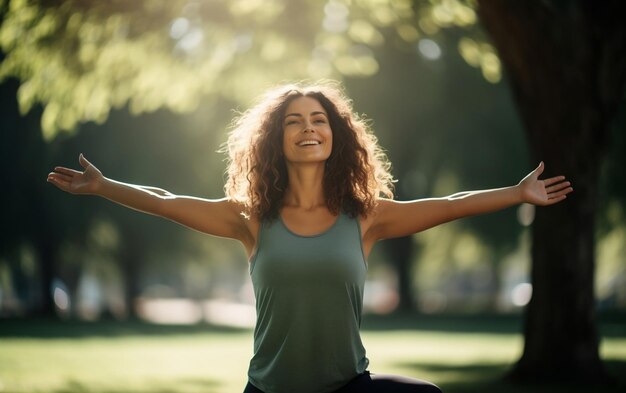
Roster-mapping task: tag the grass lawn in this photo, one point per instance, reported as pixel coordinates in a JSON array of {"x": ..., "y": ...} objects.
[{"x": 461, "y": 355}]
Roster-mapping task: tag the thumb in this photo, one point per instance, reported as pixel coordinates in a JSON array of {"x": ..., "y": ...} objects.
[
  {"x": 83, "y": 161},
  {"x": 539, "y": 170}
]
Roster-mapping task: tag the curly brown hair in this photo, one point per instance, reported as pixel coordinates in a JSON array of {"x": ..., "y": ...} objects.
[{"x": 357, "y": 171}]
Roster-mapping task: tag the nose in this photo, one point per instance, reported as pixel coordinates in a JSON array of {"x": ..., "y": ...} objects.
[{"x": 308, "y": 127}]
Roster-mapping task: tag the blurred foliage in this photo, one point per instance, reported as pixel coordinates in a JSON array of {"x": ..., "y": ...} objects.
[
  {"x": 124, "y": 251},
  {"x": 80, "y": 59},
  {"x": 122, "y": 71},
  {"x": 446, "y": 130}
]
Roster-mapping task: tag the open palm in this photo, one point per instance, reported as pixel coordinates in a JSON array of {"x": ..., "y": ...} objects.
[
  {"x": 544, "y": 192},
  {"x": 77, "y": 182}
]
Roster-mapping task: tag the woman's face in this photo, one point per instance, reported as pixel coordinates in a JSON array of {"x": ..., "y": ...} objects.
[{"x": 307, "y": 136}]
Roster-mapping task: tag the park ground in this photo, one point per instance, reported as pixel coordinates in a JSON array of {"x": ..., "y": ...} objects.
[{"x": 462, "y": 354}]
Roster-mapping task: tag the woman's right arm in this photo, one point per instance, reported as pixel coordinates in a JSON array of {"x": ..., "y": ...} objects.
[{"x": 218, "y": 217}]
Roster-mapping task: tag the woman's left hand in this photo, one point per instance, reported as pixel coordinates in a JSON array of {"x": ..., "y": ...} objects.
[{"x": 543, "y": 192}]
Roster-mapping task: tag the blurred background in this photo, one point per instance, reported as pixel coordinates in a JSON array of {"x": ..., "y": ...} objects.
[{"x": 147, "y": 90}]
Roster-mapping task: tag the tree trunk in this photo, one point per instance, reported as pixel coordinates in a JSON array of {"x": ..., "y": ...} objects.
[
  {"x": 400, "y": 251},
  {"x": 46, "y": 254},
  {"x": 45, "y": 242},
  {"x": 566, "y": 65},
  {"x": 25, "y": 210},
  {"x": 131, "y": 257}
]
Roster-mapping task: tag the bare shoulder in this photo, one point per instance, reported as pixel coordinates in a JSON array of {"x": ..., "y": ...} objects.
[
  {"x": 249, "y": 224},
  {"x": 222, "y": 217},
  {"x": 383, "y": 206},
  {"x": 239, "y": 211},
  {"x": 371, "y": 230},
  {"x": 403, "y": 218},
  {"x": 369, "y": 223}
]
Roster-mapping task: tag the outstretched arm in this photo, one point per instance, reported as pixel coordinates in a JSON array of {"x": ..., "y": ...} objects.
[
  {"x": 395, "y": 219},
  {"x": 219, "y": 217}
]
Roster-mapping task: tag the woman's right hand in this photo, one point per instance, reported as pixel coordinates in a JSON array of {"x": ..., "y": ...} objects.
[
  {"x": 217, "y": 217},
  {"x": 77, "y": 182}
]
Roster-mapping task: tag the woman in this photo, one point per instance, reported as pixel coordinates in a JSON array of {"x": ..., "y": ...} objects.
[{"x": 308, "y": 195}]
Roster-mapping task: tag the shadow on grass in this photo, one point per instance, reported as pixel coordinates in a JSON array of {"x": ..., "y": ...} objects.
[
  {"x": 51, "y": 328},
  {"x": 610, "y": 324},
  {"x": 483, "y": 323},
  {"x": 489, "y": 377},
  {"x": 183, "y": 385}
]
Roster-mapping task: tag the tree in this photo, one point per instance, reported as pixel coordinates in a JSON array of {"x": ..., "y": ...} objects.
[
  {"x": 23, "y": 200},
  {"x": 446, "y": 123},
  {"x": 566, "y": 63},
  {"x": 81, "y": 59},
  {"x": 564, "y": 60}
]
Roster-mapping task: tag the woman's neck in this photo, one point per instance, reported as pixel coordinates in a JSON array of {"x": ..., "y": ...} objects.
[{"x": 306, "y": 187}]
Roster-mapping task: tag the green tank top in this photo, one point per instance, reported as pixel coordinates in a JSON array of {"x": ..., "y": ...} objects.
[{"x": 309, "y": 300}]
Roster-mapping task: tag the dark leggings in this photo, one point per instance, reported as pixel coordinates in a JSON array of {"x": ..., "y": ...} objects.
[{"x": 377, "y": 383}]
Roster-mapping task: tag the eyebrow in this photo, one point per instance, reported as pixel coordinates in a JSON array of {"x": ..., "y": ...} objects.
[{"x": 312, "y": 114}]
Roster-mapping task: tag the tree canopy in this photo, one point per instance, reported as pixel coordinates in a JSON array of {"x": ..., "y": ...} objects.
[{"x": 79, "y": 59}]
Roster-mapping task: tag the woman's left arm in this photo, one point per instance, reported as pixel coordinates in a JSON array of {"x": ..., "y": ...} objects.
[{"x": 394, "y": 218}]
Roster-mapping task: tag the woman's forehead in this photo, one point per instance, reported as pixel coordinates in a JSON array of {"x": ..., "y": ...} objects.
[{"x": 305, "y": 105}]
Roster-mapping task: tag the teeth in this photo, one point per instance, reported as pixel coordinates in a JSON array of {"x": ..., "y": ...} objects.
[{"x": 310, "y": 142}]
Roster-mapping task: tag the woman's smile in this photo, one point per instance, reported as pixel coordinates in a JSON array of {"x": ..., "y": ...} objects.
[
  {"x": 307, "y": 136},
  {"x": 309, "y": 142}
]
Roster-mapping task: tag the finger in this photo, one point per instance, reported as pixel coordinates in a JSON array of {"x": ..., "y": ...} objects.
[
  {"x": 62, "y": 184},
  {"x": 557, "y": 187},
  {"x": 67, "y": 171},
  {"x": 560, "y": 193},
  {"x": 552, "y": 180},
  {"x": 83, "y": 161},
  {"x": 57, "y": 177},
  {"x": 539, "y": 170},
  {"x": 555, "y": 200},
  {"x": 60, "y": 176}
]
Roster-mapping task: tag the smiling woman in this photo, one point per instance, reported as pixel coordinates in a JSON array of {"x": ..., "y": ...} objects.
[
  {"x": 308, "y": 197},
  {"x": 260, "y": 147},
  {"x": 307, "y": 136}
]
